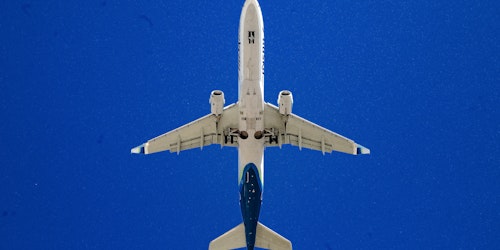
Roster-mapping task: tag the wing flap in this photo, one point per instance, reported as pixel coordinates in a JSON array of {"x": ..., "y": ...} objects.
[
  {"x": 182, "y": 138},
  {"x": 203, "y": 132},
  {"x": 302, "y": 133}
]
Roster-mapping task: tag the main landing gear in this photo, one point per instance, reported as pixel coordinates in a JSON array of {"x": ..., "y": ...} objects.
[{"x": 271, "y": 135}]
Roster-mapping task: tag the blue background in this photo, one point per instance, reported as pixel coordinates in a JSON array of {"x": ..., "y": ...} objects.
[{"x": 82, "y": 82}]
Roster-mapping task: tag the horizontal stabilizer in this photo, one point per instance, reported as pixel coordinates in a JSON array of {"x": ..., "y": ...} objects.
[
  {"x": 268, "y": 239},
  {"x": 232, "y": 239},
  {"x": 265, "y": 239}
]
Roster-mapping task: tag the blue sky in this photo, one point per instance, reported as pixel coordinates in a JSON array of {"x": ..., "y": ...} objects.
[{"x": 415, "y": 81}]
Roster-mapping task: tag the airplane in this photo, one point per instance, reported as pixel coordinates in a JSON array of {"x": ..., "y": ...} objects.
[{"x": 251, "y": 125}]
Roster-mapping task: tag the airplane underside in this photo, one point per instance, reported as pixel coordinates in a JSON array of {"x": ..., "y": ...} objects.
[
  {"x": 250, "y": 201},
  {"x": 251, "y": 125}
]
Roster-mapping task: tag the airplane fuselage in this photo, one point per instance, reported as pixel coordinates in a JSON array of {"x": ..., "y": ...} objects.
[
  {"x": 251, "y": 118},
  {"x": 251, "y": 125}
]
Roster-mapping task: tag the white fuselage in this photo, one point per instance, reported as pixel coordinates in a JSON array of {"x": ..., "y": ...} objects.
[
  {"x": 244, "y": 121},
  {"x": 251, "y": 88}
]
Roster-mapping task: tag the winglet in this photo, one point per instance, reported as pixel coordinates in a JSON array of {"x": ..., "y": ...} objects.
[
  {"x": 362, "y": 150},
  {"x": 138, "y": 150}
]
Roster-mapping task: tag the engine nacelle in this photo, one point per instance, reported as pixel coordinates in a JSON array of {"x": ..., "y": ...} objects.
[
  {"x": 217, "y": 102},
  {"x": 285, "y": 102}
]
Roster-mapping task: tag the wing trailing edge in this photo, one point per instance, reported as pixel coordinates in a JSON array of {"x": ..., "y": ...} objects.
[{"x": 297, "y": 131}]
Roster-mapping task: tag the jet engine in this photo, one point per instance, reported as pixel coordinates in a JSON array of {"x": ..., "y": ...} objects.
[
  {"x": 285, "y": 102},
  {"x": 217, "y": 102}
]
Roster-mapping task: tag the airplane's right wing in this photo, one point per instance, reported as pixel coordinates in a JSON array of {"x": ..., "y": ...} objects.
[
  {"x": 300, "y": 132},
  {"x": 205, "y": 131}
]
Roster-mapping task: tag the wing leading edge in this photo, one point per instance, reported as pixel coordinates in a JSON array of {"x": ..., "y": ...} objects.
[
  {"x": 282, "y": 129},
  {"x": 297, "y": 131},
  {"x": 207, "y": 130}
]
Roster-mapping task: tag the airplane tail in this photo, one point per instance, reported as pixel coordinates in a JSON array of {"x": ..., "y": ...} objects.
[
  {"x": 265, "y": 238},
  {"x": 268, "y": 239}
]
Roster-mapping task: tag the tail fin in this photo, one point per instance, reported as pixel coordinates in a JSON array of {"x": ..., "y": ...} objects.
[
  {"x": 265, "y": 238},
  {"x": 268, "y": 239},
  {"x": 232, "y": 239}
]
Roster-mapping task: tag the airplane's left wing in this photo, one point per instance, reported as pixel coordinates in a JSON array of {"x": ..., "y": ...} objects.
[
  {"x": 205, "y": 131},
  {"x": 297, "y": 131}
]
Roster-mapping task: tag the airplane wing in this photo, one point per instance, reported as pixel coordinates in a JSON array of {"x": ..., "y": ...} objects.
[
  {"x": 205, "y": 131},
  {"x": 297, "y": 131}
]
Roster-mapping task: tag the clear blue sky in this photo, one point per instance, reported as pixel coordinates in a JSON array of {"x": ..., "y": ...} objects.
[{"x": 418, "y": 82}]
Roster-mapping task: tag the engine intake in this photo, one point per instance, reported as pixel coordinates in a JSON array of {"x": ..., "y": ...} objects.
[
  {"x": 217, "y": 102},
  {"x": 285, "y": 102}
]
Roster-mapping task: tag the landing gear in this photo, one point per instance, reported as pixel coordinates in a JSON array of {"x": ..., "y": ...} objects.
[
  {"x": 273, "y": 138},
  {"x": 228, "y": 138},
  {"x": 258, "y": 135},
  {"x": 273, "y": 135},
  {"x": 230, "y": 134},
  {"x": 244, "y": 135}
]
